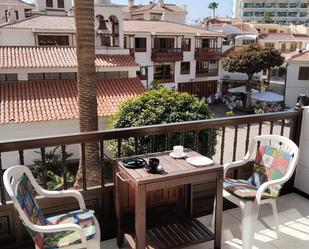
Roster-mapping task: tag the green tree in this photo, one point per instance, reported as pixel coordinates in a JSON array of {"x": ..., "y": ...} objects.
[
  {"x": 213, "y": 6},
  {"x": 163, "y": 106},
  {"x": 268, "y": 18},
  {"x": 250, "y": 60}
]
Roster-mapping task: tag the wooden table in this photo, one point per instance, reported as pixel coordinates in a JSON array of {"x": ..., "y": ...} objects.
[{"x": 176, "y": 232}]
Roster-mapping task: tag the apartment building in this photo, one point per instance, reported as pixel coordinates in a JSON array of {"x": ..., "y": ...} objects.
[
  {"x": 14, "y": 10},
  {"x": 155, "y": 11},
  {"x": 282, "y": 11}
]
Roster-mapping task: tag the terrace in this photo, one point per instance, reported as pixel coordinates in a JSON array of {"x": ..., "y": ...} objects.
[{"x": 232, "y": 143}]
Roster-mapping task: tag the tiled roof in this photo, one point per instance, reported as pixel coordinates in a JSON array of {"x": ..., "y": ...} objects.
[
  {"x": 161, "y": 27},
  {"x": 55, "y": 57},
  {"x": 301, "y": 57},
  {"x": 244, "y": 27},
  {"x": 15, "y": 3},
  {"x": 157, "y": 7},
  {"x": 284, "y": 37},
  {"x": 37, "y": 101},
  {"x": 59, "y": 23}
]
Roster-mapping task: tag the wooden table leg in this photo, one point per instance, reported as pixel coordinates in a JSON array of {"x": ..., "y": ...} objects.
[
  {"x": 219, "y": 207},
  {"x": 140, "y": 216},
  {"x": 120, "y": 235}
]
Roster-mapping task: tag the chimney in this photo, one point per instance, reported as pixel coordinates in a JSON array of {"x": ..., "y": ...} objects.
[
  {"x": 161, "y": 2},
  {"x": 130, "y": 3}
]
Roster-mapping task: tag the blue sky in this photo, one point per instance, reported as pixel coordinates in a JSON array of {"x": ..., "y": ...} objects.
[{"x": 196, "y": 8}]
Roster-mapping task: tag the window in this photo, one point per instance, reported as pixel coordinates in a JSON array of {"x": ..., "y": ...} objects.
[
  {"x": 272, "y": 31},
  {"x": 61, "y": 4},
  {"x": 269, "y": 45},
  {"x": 52, "y": 76},
  {"x": 202, "y": 68},
  {"x": 142, "y": 73},
  {"x": 164, "y": 43},
  {"x": 186, "y": 44},
  {"x": 49, "y": 3},
  {"x": 248, "y": 42},
  {"x": 303, "y": 73},
  {"x": 113, "y": 75},
  {"x": 35, "y": 76},
  {"x": 140, "y": 44},
  {"x": 16, "y": 15},
  {"x": 9, "y": 77},
  {"x": 185, "y": 68},
  {"x": 53, "y": 40},
  {"x": 68, "y": 76},
  {"x": 6, "y": 15},
  {"x": 283, "y": 46}
]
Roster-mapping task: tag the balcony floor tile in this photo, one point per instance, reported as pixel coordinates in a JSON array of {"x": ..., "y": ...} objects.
[{"x": 294, "y": 227}]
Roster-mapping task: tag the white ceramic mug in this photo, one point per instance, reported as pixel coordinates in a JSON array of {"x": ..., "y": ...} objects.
[{"x": 178, "y": 150}]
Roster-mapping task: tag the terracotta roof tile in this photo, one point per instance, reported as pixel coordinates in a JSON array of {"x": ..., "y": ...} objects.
[
  {"x": 135, "y": 26},
  {"x": 231, "y": 50},
  {"x": 244, "y": 27},
  {"x": 301, "y": 57},
  {"x": 55, "y": 57},
  {"x": 37, "y": 101},
  {"x": 284, "y": 37}
]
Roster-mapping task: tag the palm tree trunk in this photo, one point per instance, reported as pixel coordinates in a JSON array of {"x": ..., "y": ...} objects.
[
  {"x": 86, "y": 86},
  {"x": 214, "y": 12}
]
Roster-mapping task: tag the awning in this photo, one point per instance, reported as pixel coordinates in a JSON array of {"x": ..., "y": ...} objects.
[
  {"x": 241, "y": 89},
  {"x": 267, "y": 97}
]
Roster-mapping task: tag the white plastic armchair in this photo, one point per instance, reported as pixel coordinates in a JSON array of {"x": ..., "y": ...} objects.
[
  {"x": 250, "y": 208},
  {"x": 11, "y": 178}
]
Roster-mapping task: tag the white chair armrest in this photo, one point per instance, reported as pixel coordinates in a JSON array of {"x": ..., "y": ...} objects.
[
  {"x": 65, "y": 193},
  {"x": 268, "y": 184},
  {"x": 60, "y": 228},
  {"x": 228, "y": 166}
]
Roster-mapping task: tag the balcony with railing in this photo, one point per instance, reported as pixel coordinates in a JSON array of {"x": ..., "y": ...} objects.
[
  {"x": 207, "y": 73},
  {"x": 164, "y": 78},
  {"x": 202, "y": 54},
  {"x": 166, "y": 54},
  {"x": 231, "y": 143}
]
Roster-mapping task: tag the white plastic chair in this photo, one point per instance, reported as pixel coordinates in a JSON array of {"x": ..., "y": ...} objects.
[
  {"x": 250, "y": 208},
  {"x": 12, "y": 177}
]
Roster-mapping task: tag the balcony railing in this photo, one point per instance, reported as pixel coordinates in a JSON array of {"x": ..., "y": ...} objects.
[
  {"x": 166, "y": 54},
  {"x": 207, "y": 73},
  {"x": 168, "y": 78},
  {"x": 231, "y": 144},
  {"x": 202, "y": 54}
]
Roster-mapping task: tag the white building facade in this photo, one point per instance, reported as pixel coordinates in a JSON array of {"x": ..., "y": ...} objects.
[
  {"x": 282, "y": 11},
  {"x": 14, "y": 10},
  {"x": 297, "y": 81}
]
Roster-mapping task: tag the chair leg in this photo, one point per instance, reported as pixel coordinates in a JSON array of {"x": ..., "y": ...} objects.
[
  {"x": 275, "y": 212},
  {"x": 213, "y": 218},
  {"x": 249, "y": 218}
]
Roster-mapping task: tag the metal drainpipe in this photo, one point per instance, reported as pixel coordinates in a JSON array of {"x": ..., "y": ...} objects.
[{"x": 285, "y": 81}]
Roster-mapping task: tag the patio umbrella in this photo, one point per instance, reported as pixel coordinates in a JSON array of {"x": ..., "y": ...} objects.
[
  {"x": 241, "y": 89},
  {"x": 267, "y": 97}
]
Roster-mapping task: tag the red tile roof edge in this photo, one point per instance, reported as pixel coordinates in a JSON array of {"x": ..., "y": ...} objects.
[{"x": 41, "y": 101}]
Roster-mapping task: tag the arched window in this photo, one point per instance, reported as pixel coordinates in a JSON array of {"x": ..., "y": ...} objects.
[
  {"x": 103, "y": 33},
  {"x": 114, "y": 30}
]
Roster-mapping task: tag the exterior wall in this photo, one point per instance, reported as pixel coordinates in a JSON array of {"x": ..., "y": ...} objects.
[
  {"x": 256, "y": 14},
  {"x": 39, "y": 129},
  {"x": 107, "y": 10},
  {"x": 41, "y": 5},
  {"x": 266, "y": 28},
  {"x": 295, "y": 87},
  {"x": 12, "y": 17},
  {"x": 174, "y": 17},
  {"x": 12, "y": 37},
  {"x": 302, "y": 170}
]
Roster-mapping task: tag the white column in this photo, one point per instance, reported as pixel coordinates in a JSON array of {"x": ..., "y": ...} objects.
[{"x": 302, "y": 170}]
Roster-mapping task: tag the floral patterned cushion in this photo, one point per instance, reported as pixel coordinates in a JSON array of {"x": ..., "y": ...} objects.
[
  {"x": 270, "y": 164},
  {"x": 243, "y": 189},
  {"x": 84, "y": 218},
  {"x": 25, "y": 194}
]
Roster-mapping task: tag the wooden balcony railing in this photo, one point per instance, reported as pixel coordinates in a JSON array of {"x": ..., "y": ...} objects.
[
  {"x": 169, "y": 78},
  {"x": 231, "y": 144},
  {"x": 203, "y": 54},
  {"x": 207, "y": 73},
  {"x": 166, "y": 54}
]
